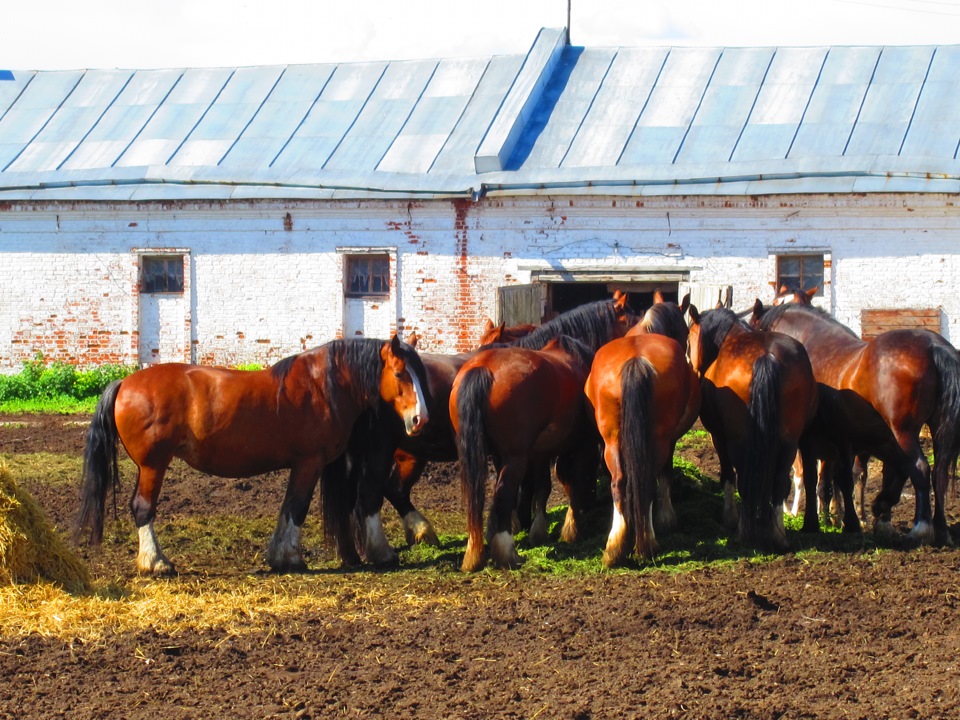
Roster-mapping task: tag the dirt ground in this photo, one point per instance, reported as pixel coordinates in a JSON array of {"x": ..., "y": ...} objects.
[{"x": 862, "y": 634}]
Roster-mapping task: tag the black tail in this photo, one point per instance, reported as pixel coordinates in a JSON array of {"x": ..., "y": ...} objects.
[
  {"x": 472, "y": 399},
  {"x": 100, "y": 468},
  {"x": 756, "y": 482},
  {"x": 947, "y": 438},
  {"x": 636, "y": 449}
]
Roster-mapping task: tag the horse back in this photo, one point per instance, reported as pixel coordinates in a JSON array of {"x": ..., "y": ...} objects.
[{"x": 224, "y": 422}]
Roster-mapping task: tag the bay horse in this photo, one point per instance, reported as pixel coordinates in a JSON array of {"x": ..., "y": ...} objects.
[
  {"x": 297, "y": 414},
  {"x": 502, "y": 333},
  {"x": 665, "y": 318},
  {"x": 402, "y": 459},
  {"x": 524, "y": 407},
  {"x": 644, "y": 395},
  {"x": 827, "y": 491},
  {"x": 759, "y": 401},
  {"x": 876, "y": 396}
]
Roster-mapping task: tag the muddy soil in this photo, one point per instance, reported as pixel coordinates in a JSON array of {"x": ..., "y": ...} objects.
[{"x": 859, "y": 634}]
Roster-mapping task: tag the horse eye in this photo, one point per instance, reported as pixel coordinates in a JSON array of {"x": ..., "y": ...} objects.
[{"x": 398, "y": 375}]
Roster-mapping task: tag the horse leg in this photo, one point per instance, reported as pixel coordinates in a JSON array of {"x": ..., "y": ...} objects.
[
  {"x": 283, "y": 552},
  {"x": 665, "y": 517},
  {"x": 503, "y": 550},
  {"x": 577, "y": 472},
  {"x": 860, "y": 467},
  {"x": 728, "y": 482},
  {"x": 907, "y": 461},
  {"x": 539, "y": 477},
  {"x": 406, "y": 472},
  {"x": 808, "y": 462},
  {"x": 797, "y": 476},
  {"x": 941, "y": 480},
  {"x": 619, "y": 539},
  {"x": 143, "y": 505},
  {"x": 371, "y": 488}
]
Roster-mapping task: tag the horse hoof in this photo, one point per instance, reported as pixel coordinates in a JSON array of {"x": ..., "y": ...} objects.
[
  {"x": 385, "y": 559},
  {"x": 290, "y": 566},
  {"x": 884, "y": 530}
]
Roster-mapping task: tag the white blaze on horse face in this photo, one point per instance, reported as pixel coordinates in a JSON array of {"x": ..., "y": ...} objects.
[{"x": 414, "y": 420}]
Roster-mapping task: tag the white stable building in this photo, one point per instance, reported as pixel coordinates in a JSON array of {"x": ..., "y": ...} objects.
[{"x": 238, "y": 215}]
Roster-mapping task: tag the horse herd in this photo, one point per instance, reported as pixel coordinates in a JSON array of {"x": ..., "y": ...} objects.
[{"x": 363, "y": 418}]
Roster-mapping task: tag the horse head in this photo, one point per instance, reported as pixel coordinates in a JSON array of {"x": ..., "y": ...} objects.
[
  {"x": 402, "y": 384},
  {"x": 800, "y": 297}
]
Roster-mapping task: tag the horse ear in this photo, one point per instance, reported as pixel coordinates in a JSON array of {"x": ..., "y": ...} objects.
[
  {"x": 619, "y": 301},
  {"x": 658, "y": 297},
  {"x": 812, "y": 291},
  {"x": 719, "y": 299},
  {"x": 488, "y": 325},
  {"x": 757, "y": 308},
  {"x": 783, "y": 290},
  {"x": 685, "y": 304},
  {"x": 694, "y": 315},
  {"x": 413, "y": 340}
]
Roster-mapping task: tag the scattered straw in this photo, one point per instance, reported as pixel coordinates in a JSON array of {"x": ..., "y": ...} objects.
[{"x": 30, "y": 548}]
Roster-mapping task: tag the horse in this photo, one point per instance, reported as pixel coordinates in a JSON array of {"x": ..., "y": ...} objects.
[
  {"x": 297, "y": 414},
  {"x": 828, "y": 493},
  {"x": 524, "y": 407},
  {"x": 644, "y": 396},
  {"x": 502, "y": 333},
  {"x": 876, "y": 396},
  {"x": 787, "y": 295},
  {"x": 665, "y": 318},
  {"x": 759, "y": 400},
  {"x": 402, "y": 460}
]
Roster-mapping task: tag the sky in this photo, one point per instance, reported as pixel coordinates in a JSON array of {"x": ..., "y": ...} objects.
[{"x": 71, "y": 34}]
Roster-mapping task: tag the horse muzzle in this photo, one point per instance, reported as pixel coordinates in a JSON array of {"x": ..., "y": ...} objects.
[{"x": 415, "y": 423}]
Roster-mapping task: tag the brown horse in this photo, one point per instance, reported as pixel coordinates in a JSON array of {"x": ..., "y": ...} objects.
[
  {"x": 665, "y": 318},
  {"x": 759, "y": 400},
  {"x": 297, "y": 414},
  {"x": 876, "y": 396},
  {"x": 524, "y": 407},
  {"x": 503, "y": 334},
  {"x": 644, "y": 396},
  {"x": 396, "y": 461}
]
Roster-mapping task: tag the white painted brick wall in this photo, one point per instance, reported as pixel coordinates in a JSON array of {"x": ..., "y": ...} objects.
[{"x": 265, "y": 285}]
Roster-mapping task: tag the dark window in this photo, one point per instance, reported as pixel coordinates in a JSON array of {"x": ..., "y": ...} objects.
[
  {"x": 800, "y": 272},
  {"x": 368, "y": 275},
  {"x": 161, "y": 274}
]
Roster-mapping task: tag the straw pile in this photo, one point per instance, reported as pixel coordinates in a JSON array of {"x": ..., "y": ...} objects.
[{"x": 30, "y": 548}]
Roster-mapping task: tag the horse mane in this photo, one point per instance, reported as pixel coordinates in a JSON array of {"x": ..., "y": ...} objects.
[
  {"x": 776, "y": 312},
  {"x": 716, "y": 323},
  {"x": 357, "y": 359},
  {"x": 665, "y": 319},
  {"x": 594, "y": 324},
  {"x": 576, "y": 348}
]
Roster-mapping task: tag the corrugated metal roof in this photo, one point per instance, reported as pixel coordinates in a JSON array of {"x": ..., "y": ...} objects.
[{"x": 641, "y": 121}]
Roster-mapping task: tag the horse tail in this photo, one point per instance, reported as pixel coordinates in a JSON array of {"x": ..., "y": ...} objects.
[
  {"x": 100, "y": 468},
  {"x": 472, "y": 399},
  {"x": 947, "y": 436},
  {"x": 757, "y": 480},
  {"x": 636, "y": 449}
]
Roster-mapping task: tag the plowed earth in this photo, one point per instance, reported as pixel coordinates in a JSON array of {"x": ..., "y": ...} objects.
[{"x": 865, "y": 633}]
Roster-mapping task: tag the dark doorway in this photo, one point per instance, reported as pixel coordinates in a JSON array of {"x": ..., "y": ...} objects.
[{"x": 567, "y": 296}]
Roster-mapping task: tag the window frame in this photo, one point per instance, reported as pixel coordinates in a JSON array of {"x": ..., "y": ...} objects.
[
  {"x": 166, "y": 259},
  {"x": 351, "y": 260},
  {"x": 802, "y": 284}
]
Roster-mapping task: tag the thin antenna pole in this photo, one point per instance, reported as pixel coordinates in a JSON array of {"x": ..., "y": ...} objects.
[{"x": 569, "y": 3}]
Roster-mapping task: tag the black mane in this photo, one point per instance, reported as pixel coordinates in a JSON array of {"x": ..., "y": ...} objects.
[{"x": 593, "y": 324}]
